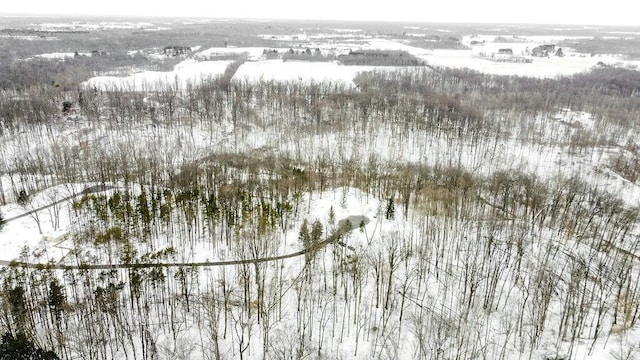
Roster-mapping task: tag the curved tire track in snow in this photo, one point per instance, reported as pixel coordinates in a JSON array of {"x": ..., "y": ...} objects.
[
  {"x": 88, "y": 190},
  {"x": 335, "y": 237},
  {"x": 332, "y": 238}
]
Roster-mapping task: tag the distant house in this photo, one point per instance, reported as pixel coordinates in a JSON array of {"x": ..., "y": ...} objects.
[
  {"x": 176, "y": 50},
  {"x": 505, "y": 51},
  {"x": 543, "y": 50}
]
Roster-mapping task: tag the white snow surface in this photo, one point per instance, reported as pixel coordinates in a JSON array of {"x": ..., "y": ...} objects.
[
  {"x": 24, "y": 233},
  {"x": 59, "y": 56},
  {"x": 252, "y": 53},
  {"x": 540, "y": 67},
  {"x": 91, "y": 26},
  {"x": 188, "y": 71},
  {"x": 278, "y": 70},
  {"x": 550, "y": 67},
  {"x": 259, "y": 69}
]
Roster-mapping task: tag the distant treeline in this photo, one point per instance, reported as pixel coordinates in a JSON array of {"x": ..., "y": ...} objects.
[{"x": 380, "y": 58}]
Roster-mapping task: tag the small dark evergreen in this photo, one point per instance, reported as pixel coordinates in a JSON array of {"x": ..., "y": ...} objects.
[
  {"x": 18, "y": 347},
  {"x": 23, "y": 197},
  {"x": 66, "y": 107},
  {"x": 391, "y": 210}
]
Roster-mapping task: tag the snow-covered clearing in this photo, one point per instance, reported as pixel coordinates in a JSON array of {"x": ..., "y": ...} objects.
[
  {"x": 186, "y": 72},
  {"x": 90, "y": 26},
  {"x": 252, "y": 53},
  {"x": 28, "y": 37},
  {"x": 60, "y": 56},
  {"x": 45, "y": 231},
  {"x": 540, "y": 67},
  {"x": 278, "y": 70},
  {"x": 478, "y": 58}
]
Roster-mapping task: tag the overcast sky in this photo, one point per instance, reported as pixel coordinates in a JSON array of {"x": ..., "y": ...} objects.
[{"x": 586, "y": 12}]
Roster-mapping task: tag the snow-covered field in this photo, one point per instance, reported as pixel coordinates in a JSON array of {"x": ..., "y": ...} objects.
[
  {"x": 549, "y": 67},
  {"x": 278, "y": 70},
  {"x": 186, "y": 72},
  {"x": 28, "y": 37},
  {"x": 59, "y": 56},
  {"x": 477, "y": 58},
  {"x": 252, "y": 53},
  {"x": 90, "y": 26},
  {"x": 193, "y": 71}
]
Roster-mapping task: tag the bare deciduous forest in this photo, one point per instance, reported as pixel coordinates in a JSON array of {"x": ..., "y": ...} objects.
[{"x": 419, "y": 212}]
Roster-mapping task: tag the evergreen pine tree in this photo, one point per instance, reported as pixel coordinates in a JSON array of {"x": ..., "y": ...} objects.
[
  {"x": 56, "y": 299},
  {"x": 316, "y": 232},
  {"x": 22, "y": 197},
  {"x": 18, "y": 347},
  {"x": 391, "y": 210},
  {"x": 332, "y": 216},
  {"x": 303, "y": 235}
]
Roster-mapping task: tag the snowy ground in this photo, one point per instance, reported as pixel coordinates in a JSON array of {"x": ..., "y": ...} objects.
[
  {"x": 90, "y": 26},
  {"x": 44, "y": 231},
  {"x": 278, "y": 70},
  {"x": 188, "y": 71},
  {"x": 252, "y": 53},
  {"x": 549, "y": 67},
  {"x": 59, "y": 56}
]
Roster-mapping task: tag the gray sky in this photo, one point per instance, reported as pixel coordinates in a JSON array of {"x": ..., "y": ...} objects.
[{"x": 587, "y": 12}]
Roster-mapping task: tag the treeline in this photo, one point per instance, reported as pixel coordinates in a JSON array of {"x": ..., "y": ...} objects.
[
  {"x": 609, "y": 94},
  {"x": 67, "y": 74},
  {"x": 380, "y": 58},
  {"x": 628, "y": 46}
]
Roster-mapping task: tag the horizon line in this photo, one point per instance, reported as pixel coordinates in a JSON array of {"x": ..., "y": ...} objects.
[{"x": 237, "y": 18}]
